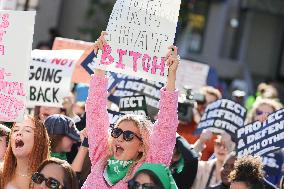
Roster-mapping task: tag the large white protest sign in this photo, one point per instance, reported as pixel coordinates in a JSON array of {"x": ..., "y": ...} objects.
[
  {"x": 16, "y": 37},
  {"x": 140, "y": 32},
  {"x": 192, "y": 74},
  {"x": 261, "y": 138},
  {"x": 223, "y": 115},
  {"x": 50, "y": 76}
]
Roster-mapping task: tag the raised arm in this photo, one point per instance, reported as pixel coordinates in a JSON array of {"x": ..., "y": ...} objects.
[
  {"x": 97, "y": 121},
  {"x": 163, "y": 139}
]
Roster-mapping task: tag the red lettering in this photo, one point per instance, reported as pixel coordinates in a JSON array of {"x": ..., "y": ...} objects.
[
  {"x": 136, "y": 56},
  {"x": 106, "y": 57},
  {"x": 146, "y": 65},
  {"x": 160, "y": 67},
  {"x": 121, "y": 53}
]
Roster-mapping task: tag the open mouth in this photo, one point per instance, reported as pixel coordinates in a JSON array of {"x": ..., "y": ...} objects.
[
  {"x": 118, "y": 150},
  {"x": 19, "y": 143}
]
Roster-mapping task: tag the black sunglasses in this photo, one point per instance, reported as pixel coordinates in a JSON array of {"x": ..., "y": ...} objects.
[
  {"x": 50, "y": 182},
  {"x": 127, "y": 135},
  {"x": 132, "y": 184}
]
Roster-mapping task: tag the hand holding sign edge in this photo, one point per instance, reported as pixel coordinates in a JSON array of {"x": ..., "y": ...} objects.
[
  {"x": 172, "y": 59},
  {"x": 99, "y": 45}
]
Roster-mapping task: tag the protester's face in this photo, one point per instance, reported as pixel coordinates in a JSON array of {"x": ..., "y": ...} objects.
[
  {"x": 262, "y": 112},
  {"x": 142, "y": 180},
  {"x": 220, "y": 150},
  {"x": 44, "y": 112},
  {"x": 22, "y": 138},
  {"x": 51, "y": 170},
  {"x": 239, "y": 185},
  {"x": 66, "y": 144},
  {"x": 127, "y": 150},
  {"x": 226, "y": 170},
  {"x": 3, "y": 147}
]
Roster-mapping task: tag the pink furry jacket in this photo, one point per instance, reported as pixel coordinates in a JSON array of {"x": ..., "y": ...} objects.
[{"x": 162, "y": 139}]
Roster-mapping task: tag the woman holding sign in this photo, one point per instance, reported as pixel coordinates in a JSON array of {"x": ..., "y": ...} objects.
[
  {"x": 27, "y": 148},
  {"x": 133, "y": 140}
]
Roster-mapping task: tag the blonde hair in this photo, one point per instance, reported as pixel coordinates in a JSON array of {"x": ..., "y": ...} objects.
[
  {"x": 145, "y": 127},
  {"x": 274, "y": 104},
  {"x": 39, "y": 153}
]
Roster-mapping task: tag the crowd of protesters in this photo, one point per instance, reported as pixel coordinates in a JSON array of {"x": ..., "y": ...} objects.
[{"x": 74, "y": 146}]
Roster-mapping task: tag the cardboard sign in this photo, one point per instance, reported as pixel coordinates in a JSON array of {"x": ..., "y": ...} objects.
[
  {"x": 80, "y": 75},
  {"x": 140, "y": 32},
  {"x": 223, "y": 115},
  {"x": 261, "y": 138},
  {"x": 50, "y": 76},
  {"x": 133, "y": 105},
  {"x": 16, "y": 37},
  {"x": 191, "y": 73}
]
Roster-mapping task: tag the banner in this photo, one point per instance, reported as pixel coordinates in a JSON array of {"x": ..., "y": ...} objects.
[
  {"x": 192, "y": 74},
  {"x": 140, "y": 32},
  {"x": 80, "y": 75},
  {"x": 133, "y": 105},
  {"x": 16, "y": 37},
  {"x": 261, "y": 138},
  {"x": 223, "y": 115},
  {"x": 50, "y": 76}
]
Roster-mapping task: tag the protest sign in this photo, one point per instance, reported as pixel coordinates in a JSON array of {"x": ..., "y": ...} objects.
[
  {"x": 15, "y": 51},
  {"x": 50, "y": 76},
  {"x": 114, "y": 116},
  {"x": 192, "y": 74},
  {"x": 139, "y": 34},
  {"x": 223, "y": 115},
  {"x": 133, "y": 105},
  {"x": 261, "y": 138},
  {"x": 80, "y": 75},
  {"x": 128, "y": 86},
  {"x": 272, "y": 163}
]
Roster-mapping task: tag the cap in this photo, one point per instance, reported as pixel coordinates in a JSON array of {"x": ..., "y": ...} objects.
[{"x": 58, "y": 124}]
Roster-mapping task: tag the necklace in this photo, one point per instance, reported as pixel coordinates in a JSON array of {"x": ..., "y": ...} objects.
[{"x": 23, "y": 175}]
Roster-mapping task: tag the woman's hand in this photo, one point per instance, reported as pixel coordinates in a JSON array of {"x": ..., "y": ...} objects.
[
  {"x": 172, "y": 62},
  {"x": 99, "y": 45}
]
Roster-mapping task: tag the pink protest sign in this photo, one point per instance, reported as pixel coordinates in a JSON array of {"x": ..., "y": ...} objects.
[
  {"x": 14, "y": 69},
  {"x": 140, "y": 32}
]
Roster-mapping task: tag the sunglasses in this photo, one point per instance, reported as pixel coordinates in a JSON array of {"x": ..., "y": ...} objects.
[
  {"x": 50, "y": 182},
  {"x": 132, "y": 184},
  {"x": 127, "y": 135},
  {"x": 259, "y": 112}
]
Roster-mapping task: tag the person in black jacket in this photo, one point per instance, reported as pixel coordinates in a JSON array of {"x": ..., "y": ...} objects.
[{"x": 184, "y": 163}]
